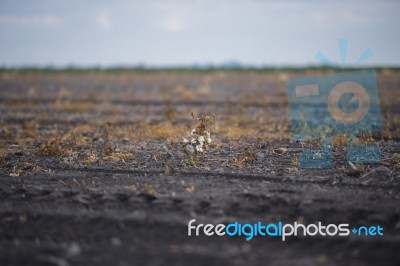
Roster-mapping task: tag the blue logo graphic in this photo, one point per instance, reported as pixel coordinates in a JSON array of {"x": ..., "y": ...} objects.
[{"x": 344, "y": 103}]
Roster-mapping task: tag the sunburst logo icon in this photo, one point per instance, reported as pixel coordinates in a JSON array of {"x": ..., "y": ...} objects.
[
  {"x": 343, "y": 43},
  {"x": 344, "y": 103}
]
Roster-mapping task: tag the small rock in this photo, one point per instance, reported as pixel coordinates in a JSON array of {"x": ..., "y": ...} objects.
[
  {"x": 190, "y": 149},
  {"x": 115, "y": 241},
  {"x": 73, "y": 250}
]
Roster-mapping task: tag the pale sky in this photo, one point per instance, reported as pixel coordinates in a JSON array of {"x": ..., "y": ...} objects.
[{"x": 179, "y": 32}]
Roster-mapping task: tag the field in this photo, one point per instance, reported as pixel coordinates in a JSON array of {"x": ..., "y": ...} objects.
[{"x": 92, "y": 171}]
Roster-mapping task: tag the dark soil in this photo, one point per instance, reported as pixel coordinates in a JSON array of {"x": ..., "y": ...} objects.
[{"x": 92, "y": 173}]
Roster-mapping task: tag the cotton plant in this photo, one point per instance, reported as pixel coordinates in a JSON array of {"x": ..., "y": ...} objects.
[
  {"x": 197, "y": 143},
  {"x": 200, "y": 136}
]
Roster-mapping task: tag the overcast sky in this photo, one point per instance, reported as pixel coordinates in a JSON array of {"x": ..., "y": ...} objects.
[{"x": 174, "y": 32}]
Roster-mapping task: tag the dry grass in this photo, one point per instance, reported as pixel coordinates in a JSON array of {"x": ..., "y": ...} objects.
[
  {"x": 339, "y": 141},
  {"x": 280, "y": 150},
  {"x": 54, "y": 147},
  {"x": 170, "y": 111},
  {"x": 119, "y": 156},
  {"x": 183, "y": 93},
  {"x": 5, "y": 132},
  {"x": 234, "y": 127},
  {"x": 191, "y": 188},
  {"x": 75, "y": 135},
  {"x": 247, "y": 157},
  {"x": 397, "y": 161},
  {"x": 132, "y": 188},
  {"x": 235, "y": 133},
  {"x": 79, "y": 107},
  {"x": 110, "y": 110},
  {"x": 295, "y": 162},
  {"x": 158, "y": 131},
  {"x": 386, "y": 134},
  {"x": 3, "y": 154},
  {"x": 70, "y": 159},
  {"x": 73, "y": 107},
  {"x": 203, "y": 124},
  {"x": 90, "y": 158},
  {"x": 142, "y": 131},
  {"x": 30, "y": 128}
]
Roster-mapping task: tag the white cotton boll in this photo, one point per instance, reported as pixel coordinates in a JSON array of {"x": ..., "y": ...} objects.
[
  {"x": 201, "y": 139},
  {"x": 185, "y": 140},
  {"x": 194, "y": 141},
  {"x": 193, "y": 131},
  {"x": 199, "y": 148},
  {"x": 190, "y": 149},
  {"x": 208, "y": 140}
]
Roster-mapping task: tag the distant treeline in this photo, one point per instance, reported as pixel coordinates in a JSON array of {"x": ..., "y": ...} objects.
[{"x": 147, "y": 69}]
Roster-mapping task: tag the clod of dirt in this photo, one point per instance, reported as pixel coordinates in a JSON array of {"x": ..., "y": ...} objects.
[
  {"x": 148, "y": 192},
  {"x": 381, "y": 170}
]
